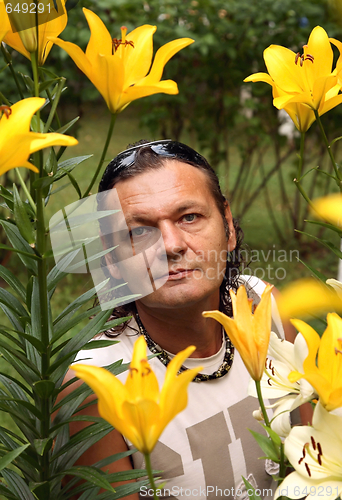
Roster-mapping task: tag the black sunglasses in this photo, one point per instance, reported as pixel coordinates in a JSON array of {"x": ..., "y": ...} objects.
[{"x": 166, "y": 147}]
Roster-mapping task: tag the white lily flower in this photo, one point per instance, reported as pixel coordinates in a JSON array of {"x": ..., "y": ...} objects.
[
  {"x": 284, "y": 357},
  {"x": 337, "y": 285},
  {"x": 315, "y": 452}
]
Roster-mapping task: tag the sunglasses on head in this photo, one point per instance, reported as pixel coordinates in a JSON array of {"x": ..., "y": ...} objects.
[{"x": 166, "y": 148}]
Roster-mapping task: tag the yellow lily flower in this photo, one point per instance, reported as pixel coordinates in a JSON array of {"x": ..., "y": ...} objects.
[
  {"x": 302, "y": 83},
  {"x": 137, "y": 409},
  {"x": 118, "y": 67},
  {"x": 307, "y": 296},
  {"x": 325, "y": 376},
  {"x": 330, "y": 208},
  {"x": 16, "y": 140},
  {"x": 25, "y": 41},
  {"x": 5, "y": 25},
  {"x": 249, "y": 333}
]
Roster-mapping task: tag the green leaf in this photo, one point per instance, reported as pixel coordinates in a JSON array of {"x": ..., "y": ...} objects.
[
  {"x": 115, "y": 322},
  {"x": 124, "y": 490},
  {"x": 314, "y": 271},
  {"x": 79, "y": 443},
  {"x": 9, "y": 300},
  {"x": 44, "y": 388},
  {"x": 74, "y": 306},
  {"x": 41, "y": 490},
  {"x": 70, "y": 323},
  {"x": 326, "y": 243},
  {"x": 37, "y": 126},
  {"x": 28, "y": 83},
  {"x": 13, "y": 281},
  {"x": 11, "y": 335},
  {"x": 44, "y": 85},
  {"x": 273, "y": 435},
  {"x": 21, "y": 246},
  {"x": 43, "y": 445},
  {"x": 92, "y": 475},
  {"x": 8, "y": 196},
  {"x": 67, "y": 126},
  {"x": 75, "y": 184},
  {"x": 51, "y": 163},
  {"x": 43, "y": 182},
  {"x": 326, "y": 225},
  {"x": 98, "y": 344},
  {"x": 7, "y": 349},
  {"x": 48, "y": 72},
  {"x": 21, "y": 367},
  {"x": 267, "y": 446},
  {"x": 24, "y": 403},
  {"x": 14, "y": 386},
  {"x": 56, "y": 274},
  {"x": 88, "y": 332},
  {"x": 19, "y": 252},
  {"x": 250, "y": 490},
  {"x": 22, "y": 219},
  {"x": 17, "y": 485},
  {"x": 12, "y": 455},
  {"x": 71, "y": 163}
]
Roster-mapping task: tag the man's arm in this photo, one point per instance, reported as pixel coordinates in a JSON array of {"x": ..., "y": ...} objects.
[{"x": 110, "y": 444}]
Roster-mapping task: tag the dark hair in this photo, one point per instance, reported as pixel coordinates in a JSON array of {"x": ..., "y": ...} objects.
[{"x": 146, "y": 159}]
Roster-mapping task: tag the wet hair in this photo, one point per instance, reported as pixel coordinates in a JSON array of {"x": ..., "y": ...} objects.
[{"x": 146, "y": 159}]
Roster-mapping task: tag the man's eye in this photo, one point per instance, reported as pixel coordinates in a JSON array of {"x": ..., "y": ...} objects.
[
  {"x": 139, "y": 231},
  {"x": 190, "y": 217}
]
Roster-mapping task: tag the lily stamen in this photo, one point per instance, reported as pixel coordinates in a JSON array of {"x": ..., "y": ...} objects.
[
  {"x": 7, "y": 110},
  {"x": 303, "y": 57},
  {"x": 313, "y": 443},
  {"x": 307, "y": 469},
  {"x": 304, "y": 453},
  {"x": 133, "y": 369}
]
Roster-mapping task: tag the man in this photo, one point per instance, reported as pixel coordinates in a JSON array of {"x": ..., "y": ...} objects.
[{"x": 205, "y": 451}]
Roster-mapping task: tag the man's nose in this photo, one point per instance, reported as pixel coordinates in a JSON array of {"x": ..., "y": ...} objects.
[{"x": 173, "y": 238}]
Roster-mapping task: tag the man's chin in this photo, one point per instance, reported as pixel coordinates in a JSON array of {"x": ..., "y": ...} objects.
[{"x": 177, "y": 294}]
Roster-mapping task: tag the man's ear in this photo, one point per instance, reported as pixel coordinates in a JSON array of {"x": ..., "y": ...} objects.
[
  {"x": 232, "y": 233},
  {"x": 111, "y": 265}
]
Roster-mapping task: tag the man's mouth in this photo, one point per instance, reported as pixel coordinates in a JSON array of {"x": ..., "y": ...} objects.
[{"x": 179, "y": 274}]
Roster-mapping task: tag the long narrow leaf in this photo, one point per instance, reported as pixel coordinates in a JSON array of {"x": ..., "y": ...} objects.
[
  {"x": 9, "y": 300},
  {"x": 83, "y": 336},
  {"x": 13, "y": 282},
  {"x": 326, "y": 243},
  {"x": 17, "y": 241},
  {"x": 21, "y": 217},
  {"x": 11, "y": 455},
  {"x": 17, "y": 485},
  {"x": 90, "y": 474}
]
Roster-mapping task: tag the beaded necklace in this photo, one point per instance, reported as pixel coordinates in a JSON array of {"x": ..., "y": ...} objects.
[{"x": 165, "y": 358}]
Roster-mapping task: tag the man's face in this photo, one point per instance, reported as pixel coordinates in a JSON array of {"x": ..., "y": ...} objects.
[{"x": 176, "y": 200}]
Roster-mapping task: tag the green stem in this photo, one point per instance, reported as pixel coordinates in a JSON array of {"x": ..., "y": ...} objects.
[
  {"x": 10, "y": 65},
  {"x": 54, "y": 104},
  {"x": 104, "y": 152},
  {"x": 326, "y": 142},
  {"x": 282, "y": 465},
  {"x": 301, "y": 157},
  {"x": 26, "y": 191},
  {"x": 150, "y": 475},
  {"x": 261, "y": 402},
  {"x": 303, "y": 193},
  {"x": 34, "y": 64},
  {"x": 41, "y": 244}
]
